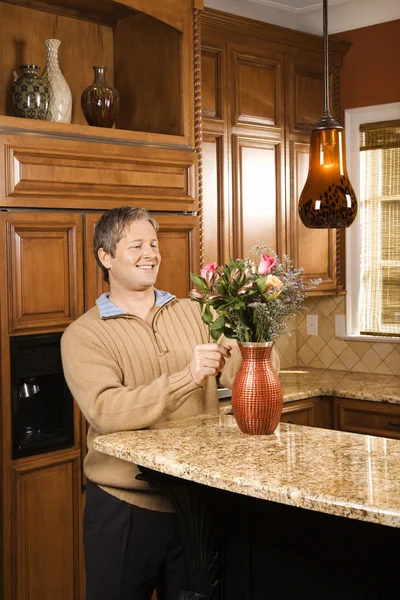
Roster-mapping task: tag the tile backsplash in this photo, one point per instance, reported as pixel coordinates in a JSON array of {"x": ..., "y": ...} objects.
[{"x": 325, "y": 351}]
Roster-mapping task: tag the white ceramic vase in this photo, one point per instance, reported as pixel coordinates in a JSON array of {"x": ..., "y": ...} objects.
[{"x": 60, "y": 107}]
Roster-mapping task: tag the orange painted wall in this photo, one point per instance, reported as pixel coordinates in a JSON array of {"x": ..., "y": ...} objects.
[{"x": 371, "y": 68}]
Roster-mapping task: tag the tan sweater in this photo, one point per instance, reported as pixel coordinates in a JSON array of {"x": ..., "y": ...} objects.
[{"x": 126, "y": 375}]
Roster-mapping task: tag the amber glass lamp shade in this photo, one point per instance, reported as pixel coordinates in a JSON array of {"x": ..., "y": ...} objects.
[{"x": 328, "y": 200}]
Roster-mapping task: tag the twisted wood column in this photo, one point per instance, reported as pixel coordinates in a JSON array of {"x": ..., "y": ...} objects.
[{"x": 198, "y": 129}]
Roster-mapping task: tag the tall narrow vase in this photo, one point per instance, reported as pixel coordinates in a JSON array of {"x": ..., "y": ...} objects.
[
  {"x": 257, "y": 397},
  {"x": 60, "y": 108},
  {"x": 100, "y": 101}
]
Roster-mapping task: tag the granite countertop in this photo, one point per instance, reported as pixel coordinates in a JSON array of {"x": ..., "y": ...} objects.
[
  {"x": 334, "y": 472},
  {"x": 298, "y": 383}
]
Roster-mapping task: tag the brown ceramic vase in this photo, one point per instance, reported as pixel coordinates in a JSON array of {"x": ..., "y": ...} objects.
[
  {"x": 100, "y": 101},
  {"x": 257, "y": 397}
]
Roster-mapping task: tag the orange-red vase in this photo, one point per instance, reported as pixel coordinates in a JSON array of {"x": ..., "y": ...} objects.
[{"x": 257, "y": 397}]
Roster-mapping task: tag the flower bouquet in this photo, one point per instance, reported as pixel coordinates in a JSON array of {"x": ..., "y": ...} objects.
[{"x": 254, "y": 304}]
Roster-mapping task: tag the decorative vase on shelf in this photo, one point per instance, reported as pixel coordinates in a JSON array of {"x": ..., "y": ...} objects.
[
  {"x": 257, "y": 397},
  {"x": 30, "y": 94},
  {"x": 100, "y": 101},
  {"x": 60, "y": 109}
]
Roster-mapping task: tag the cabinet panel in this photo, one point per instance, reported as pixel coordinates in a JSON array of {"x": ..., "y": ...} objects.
[
  {"x": 213, "y": 165},
  {"x": 257, "y": 90},
  {"x": 46, "y": 529},
  {"x": 312, "y": 249},
  {"x": 372, "y": 418},
  {"x": 96, "y": 176},
  {"x": 144, "y": 107},
  {"x": 211, "y": 93},
  {"x": 301, "y": 412},
  {"x": 94, "y": 282},
  {"x": 305, "y": 98},
  {"x": 178, "y": 242},
  {"x": 45, "y": 269},
  {"x": 257, "y": 193}
]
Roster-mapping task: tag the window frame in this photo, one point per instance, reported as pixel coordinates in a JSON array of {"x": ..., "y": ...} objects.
[{"x": 354, "y": 117}]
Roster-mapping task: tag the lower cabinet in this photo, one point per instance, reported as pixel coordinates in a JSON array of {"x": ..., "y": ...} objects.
[
  {"x": 300, "y": 412},
  {"x": 372, "y": 418},
  {"x": 47, "y": 531},
  {"x": 345, "y": 414},
  {"x": 313, "y": 412}
]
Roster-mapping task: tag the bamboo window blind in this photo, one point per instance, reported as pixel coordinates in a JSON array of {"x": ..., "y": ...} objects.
[{"x": 380, "y": 228}]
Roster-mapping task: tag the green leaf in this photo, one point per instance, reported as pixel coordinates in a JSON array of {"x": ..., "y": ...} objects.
[
  {"x": 219, "y": 323},
  {"x": 260, "y": 283},
  {"x": 207, "y": 316},
  {"x": 221, "y": 288},
  {"x": 216, "y": 333},
  {"x": 199, "y": 282}
]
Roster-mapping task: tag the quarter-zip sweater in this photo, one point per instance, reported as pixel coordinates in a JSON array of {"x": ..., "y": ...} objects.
[{"x": 126, "y": 375}]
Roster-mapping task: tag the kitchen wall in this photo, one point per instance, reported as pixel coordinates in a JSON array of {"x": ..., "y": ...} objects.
[{"x": 370, "y": 76}]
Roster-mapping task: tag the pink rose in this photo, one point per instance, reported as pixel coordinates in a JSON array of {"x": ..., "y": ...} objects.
[
  {"x": 210, "y": 268},
  {"x": 267, "y": 263}
]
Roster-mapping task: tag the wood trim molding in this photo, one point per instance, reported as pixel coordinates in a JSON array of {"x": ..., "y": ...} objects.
[
  {"x": 198, "y": 125},
  {"x": 273, "y": 33}
]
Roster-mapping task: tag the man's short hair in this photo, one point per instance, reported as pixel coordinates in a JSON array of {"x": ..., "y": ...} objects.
[{"x": 110, "y": 228}]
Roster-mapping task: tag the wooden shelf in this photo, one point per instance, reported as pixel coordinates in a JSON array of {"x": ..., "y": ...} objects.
[
  {"x": 91, "y": 134},
  {"x": 144, "y": 47},
  {"x": 108, "y": 12}
]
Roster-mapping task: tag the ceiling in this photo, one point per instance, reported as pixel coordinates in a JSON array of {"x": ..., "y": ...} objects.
[{"x": 306, "y": 15}]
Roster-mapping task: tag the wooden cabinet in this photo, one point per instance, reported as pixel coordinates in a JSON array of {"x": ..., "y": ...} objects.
[
  {"x": 43, "y": 248},
  {"x": 147, "y": 46},
  {"x": 74, "y": 173},
  {"x": 300, "y": 412},
  {"x": 313, "y": 412},
  {"x": 55, "y": 180},
  {"x": 260, "y": 97},
  {"x": 345, "y": 414},
  {"x": 372, "y": 418},
  {"x": 47, "y": 536},
  {"x": 313, "y": 249},
  {"x": 243, "y": 151}
]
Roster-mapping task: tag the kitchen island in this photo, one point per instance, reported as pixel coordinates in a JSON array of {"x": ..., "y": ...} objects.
[{"x": 304, "y": 511}]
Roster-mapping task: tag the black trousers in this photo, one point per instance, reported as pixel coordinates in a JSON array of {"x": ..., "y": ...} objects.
[{"x": 130, "y": 551}]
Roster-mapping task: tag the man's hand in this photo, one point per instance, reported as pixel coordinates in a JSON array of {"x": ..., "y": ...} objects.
[{"x": 207, "y": 361}]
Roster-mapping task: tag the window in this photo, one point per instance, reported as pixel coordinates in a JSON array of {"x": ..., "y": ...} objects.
[{"x": 373, "y": 241}]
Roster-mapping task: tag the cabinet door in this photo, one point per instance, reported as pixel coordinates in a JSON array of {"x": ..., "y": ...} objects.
[
  {"x": 47, "y": 530},
  {"x": 372, "y": 418},
  {"x": 178, "y": 241},
  {"x": 301, "y": 412},
  {"x": 312, "y": 249},
  {"x": 257, "y": 193},
  {"x": 44, "y": 254}
]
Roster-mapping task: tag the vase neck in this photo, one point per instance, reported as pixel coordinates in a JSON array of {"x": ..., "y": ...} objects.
[
  {"x": 29, "y": 69},
  {"x": 52, "y": 47},
  {"x": 100, "y": 74},
  {"x": 259, "y": 351}
]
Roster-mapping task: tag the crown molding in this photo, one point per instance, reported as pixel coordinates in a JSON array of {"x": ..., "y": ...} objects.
[{"x": 272, "y": 33}]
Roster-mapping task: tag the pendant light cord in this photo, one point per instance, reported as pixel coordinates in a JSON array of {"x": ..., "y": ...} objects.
[{"x": 326, "y": 60}]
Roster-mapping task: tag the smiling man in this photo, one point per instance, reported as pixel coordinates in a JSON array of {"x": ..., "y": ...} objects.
[{"x": 139, "y": 357}]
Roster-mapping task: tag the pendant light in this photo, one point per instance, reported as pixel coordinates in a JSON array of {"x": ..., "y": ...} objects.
[{"x": 328, "y": 200}]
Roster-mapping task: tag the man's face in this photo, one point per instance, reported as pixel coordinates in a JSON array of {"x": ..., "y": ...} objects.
[{"x": 136, "y": 260}]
